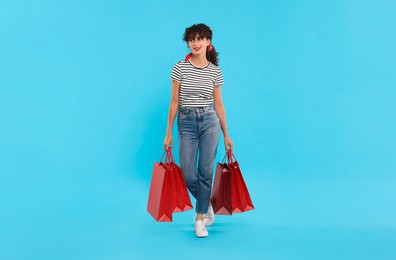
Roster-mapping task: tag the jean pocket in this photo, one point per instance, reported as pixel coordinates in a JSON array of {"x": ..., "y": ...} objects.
[
  {"x": 212, "y": 113},
  {"x": 182, "y": 116}
]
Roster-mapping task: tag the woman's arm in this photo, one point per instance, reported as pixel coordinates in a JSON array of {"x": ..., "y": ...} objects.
[
  {"x": 174, "y": 104},
  {"x": 219, "y": 107}
]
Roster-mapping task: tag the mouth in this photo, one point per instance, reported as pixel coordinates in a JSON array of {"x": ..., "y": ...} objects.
[{"x": 197, "y": 48}]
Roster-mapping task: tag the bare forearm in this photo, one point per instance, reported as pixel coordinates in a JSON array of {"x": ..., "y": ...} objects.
[
  {"x": 171, "y": 116},
  {"x": 222, "y": 116}
]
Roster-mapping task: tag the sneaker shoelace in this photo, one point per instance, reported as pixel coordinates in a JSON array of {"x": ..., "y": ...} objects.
[{"x": 208, "y": 215}]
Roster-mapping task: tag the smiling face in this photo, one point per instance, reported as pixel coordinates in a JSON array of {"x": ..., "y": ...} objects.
[{"x": 198, "y": 45}]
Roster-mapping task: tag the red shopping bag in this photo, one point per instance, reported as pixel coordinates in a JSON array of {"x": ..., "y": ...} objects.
[
  {"x": 230, "y": 194},
  {"x": 166, "y": 190},
  {"x": 241, "y": 200},
  {"x": 222, "y": 191},
  {"x": 177, "y": 199},
  {"x": 183, "y": 199},
  {"x": 159, "y": 203}
]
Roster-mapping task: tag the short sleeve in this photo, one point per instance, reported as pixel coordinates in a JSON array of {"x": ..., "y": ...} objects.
[
  {"x": 176, "y": 73},
  {"x": 218, "y": 80}
]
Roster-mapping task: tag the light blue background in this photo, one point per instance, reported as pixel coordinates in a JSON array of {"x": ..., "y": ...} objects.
[{"x": 310, "y": 100}]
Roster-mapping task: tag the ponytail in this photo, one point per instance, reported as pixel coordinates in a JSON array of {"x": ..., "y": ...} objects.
[{"x": 211, "y": 55}]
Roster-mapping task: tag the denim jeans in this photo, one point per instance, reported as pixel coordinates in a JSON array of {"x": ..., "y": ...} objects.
[{"x": 199, "y": 133}]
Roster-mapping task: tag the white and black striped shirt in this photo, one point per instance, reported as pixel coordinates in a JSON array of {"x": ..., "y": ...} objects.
[{"x": 197, "y": 84}]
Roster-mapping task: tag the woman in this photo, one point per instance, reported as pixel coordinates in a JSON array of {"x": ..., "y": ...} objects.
[{"x": 196, "y": 96}]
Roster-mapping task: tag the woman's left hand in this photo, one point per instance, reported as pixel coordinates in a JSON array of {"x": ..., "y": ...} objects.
[{"x": 228, "y": 143}]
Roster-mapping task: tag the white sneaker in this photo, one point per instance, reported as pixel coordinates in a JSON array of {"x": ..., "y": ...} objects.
[
  {"x": 209, "y": 217},
  {"x": 200, "y": 230}
]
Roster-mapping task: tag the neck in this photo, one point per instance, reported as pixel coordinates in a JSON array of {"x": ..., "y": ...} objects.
[{"x": 199, "y": 60}]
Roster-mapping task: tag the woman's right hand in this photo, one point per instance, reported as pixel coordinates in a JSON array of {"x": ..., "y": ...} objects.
[{"x": 168, "y": 141}]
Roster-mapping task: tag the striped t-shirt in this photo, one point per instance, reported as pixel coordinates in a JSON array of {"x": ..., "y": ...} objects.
[{"x": 196, "y": 84}]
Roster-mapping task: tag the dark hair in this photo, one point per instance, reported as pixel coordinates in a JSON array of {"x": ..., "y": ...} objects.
[{"x": 202, "y": 30}]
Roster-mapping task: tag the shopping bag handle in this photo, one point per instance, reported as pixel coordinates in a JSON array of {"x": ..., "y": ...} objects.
[
  {"x": 169, "y": 156},
  {"x": 230, "y": 156}
]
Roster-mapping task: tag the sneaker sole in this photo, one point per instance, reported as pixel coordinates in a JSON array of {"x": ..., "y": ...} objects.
[{"x": 200, "y": 236}]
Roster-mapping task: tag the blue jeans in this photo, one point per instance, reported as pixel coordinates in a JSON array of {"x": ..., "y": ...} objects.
[{"x": 199, "y": 133}]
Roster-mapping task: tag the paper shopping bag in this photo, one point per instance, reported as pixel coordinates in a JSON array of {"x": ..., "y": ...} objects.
[
  {"x": 221, "y": 198},
  {"x": 183, "y": 199},
  {"x": 241, "y": 197},
  {"x": 230, "y": 194},
  {"x": 159, "y": 202},
  {"x": 168, "y": 191}
]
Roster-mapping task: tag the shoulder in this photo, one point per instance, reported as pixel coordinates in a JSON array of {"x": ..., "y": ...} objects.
[
  {"x": 180, "y": 63},
  {"x": 214, "y": 67},
  {"x": 181, "y": 66}
]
